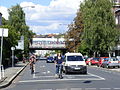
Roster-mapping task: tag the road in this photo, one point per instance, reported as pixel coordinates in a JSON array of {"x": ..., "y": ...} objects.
[{"x": 44, "y": 79}]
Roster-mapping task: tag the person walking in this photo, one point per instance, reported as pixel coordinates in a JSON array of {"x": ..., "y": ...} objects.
[{"x": 59, "y": 66}]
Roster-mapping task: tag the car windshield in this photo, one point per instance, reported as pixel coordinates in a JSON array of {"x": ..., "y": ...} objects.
[
  {"x": 106, "y": 59},
  {"x": 114, "y": 59},
  {"x": 50, "y": 58},
  {"x": 75, "y": 58},
  {"x": 96, "y": 59}
]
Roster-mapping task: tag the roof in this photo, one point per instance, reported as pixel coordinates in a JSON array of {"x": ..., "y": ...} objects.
[{"x": 77, "y": 54}]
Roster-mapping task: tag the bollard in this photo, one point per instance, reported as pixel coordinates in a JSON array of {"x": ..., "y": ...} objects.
[{"x": 2, "y": 72}]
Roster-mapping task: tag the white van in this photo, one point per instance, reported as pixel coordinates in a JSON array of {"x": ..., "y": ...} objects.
[{"x": 74, "y": 62}]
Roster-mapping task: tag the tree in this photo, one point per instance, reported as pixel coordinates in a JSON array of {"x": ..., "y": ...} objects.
[
  {"x": 74, "y": 34},
  {"x": 99, "y": 25},
  {"x": 17, "y": 20},
  {"x": 8, "y": 42}
]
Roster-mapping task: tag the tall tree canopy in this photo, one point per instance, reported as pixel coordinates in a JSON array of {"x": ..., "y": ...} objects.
[
  {"x": 99, "y": 25},
  {"x": 17, "y": 20}
]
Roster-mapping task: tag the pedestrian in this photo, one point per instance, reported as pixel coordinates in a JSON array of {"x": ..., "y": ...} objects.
[{"x": 59, "y": 66}]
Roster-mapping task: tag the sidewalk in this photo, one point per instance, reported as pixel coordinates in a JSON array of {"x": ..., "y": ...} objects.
[{"x": 11, "y": 73}]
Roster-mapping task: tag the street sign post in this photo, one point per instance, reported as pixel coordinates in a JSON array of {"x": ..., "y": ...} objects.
[
  {"x": 3, "y": 33},
  {"x": 12, "y": 48}
]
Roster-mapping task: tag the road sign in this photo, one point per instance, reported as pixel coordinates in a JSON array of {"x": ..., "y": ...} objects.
[
  {"x": 5, "y": 32},
  {"x": 12, "y": 48}
]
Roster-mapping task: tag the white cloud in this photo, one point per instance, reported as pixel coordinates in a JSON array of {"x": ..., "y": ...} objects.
[
  {"x": 52, "y": 28},
  {"x": 58, "y": 11},
  {"x": 4, "y": 12},
  {"x": 46, "y": 19}
]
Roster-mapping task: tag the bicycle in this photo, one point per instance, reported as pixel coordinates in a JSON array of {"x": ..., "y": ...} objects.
[{"x": 32, "y": 68}]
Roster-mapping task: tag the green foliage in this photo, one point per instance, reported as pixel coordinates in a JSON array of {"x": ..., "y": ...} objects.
[
  {"x": 8, "y": 42},
  {"x": 17, "y": 27},
  {"x": 17, "y": 20},
  {"x": 99, "y": 25}
]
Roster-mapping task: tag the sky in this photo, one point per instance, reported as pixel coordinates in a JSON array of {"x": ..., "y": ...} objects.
[{"x": 47, "y": 16}]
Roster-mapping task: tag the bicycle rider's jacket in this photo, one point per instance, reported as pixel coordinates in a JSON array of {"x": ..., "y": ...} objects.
[
  {"x": 59, "y": 61},
  {"x": 32, "y": 59}
]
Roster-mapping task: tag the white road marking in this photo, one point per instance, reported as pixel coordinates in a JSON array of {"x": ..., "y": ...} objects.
[
  {"x": 34, "y": 71},
  {"x": 97, "y": 76},
  {"x": 62, "y": 89},
  {"x": 46, "y": 89},
  {"x": 83, "y": 79},
  {"x": 44, "y": 72},
  {"x": 48, "y": 71},
  {"x": 76, "y": 88},
  {"x": 117, "y": 88},
  {"x": 105, "y": 88},
  {"x": 90, "y": 88}
]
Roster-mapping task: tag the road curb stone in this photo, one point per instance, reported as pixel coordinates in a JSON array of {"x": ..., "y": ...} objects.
[{"x": 7, "y": 83}]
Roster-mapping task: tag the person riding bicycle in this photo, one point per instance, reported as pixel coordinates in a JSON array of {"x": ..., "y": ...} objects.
[
  {"x": 32, "y": 62},
  {"x": 59, "y": 66}
]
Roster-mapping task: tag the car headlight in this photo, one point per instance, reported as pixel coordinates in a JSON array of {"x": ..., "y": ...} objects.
[{"x": 67, "y": 64}]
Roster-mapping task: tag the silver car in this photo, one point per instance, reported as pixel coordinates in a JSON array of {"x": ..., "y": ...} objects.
[{"x": 111, "y": 63}]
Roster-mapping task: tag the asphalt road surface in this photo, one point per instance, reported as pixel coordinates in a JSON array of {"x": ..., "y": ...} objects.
[{"x": 44, "y": 79}]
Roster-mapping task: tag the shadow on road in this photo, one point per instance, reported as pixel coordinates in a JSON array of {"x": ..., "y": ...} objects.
[{"x": 87, "y": 81}]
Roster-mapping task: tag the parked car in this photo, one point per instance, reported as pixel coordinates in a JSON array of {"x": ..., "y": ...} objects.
[
  {"x": 50, "y": 59},
  {"x": 95, "y": 61},
  {"x": 110, "y": 63},
  {"x": 74, "y": 62},
  {"x": 43, "y": 58},
  {"x": 101, "y": 60},
  {"x": 88, "y": 61}
]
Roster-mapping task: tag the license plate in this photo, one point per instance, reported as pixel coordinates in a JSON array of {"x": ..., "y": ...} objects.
[{"x": 77, "y": 68}]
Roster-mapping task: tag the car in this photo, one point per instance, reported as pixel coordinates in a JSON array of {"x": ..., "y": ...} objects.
[
  {"x": 43, "y": 58},
  {"x": 110, "y": 63},
  {"x": 88, "y": 61},
  {"x": 74, "y": 63},
  {"x": 101, "y": 60},
  {"x": 50, "y": 59},
  {"x": 95, "y": 61}
]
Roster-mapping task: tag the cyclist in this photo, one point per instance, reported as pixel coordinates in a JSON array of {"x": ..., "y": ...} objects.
[
  {"x": 32, "y": 63},
  {"x": 59, "y": 66}
]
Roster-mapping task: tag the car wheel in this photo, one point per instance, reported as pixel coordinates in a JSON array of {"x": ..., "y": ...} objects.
[
  {"x": 66, "y": 72},
  {"x": 85, "y": 72}
]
